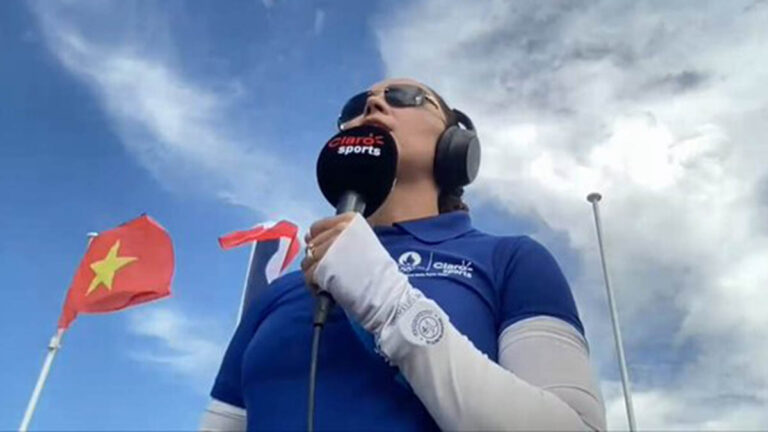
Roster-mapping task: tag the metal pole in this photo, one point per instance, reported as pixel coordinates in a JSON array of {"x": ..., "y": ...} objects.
[
  {"x": 53, "y": 348},
  {"x": 593, "y": 198},
  {"x": 245, "y": 284}
]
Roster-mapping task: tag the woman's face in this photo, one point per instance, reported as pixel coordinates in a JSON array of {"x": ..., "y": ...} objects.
[{"x": 416, "y": 129}]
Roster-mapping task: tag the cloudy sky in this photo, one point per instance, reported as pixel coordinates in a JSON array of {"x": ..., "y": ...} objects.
[{"x": 209, "y": 118}]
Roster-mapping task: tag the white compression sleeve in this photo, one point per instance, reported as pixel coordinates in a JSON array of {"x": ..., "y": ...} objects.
[
  {"x": 552, "y": 355},
  {"x": 459, "y": 385},
  {"x": 220, "y": 416}
]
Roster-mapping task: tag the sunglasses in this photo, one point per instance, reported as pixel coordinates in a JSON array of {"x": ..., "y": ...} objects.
[{"x": 396, "y": 95}]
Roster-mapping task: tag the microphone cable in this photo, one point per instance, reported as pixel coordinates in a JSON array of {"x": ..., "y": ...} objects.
[
  {"x": 349, "y": 201},
  {"x": 322, "y": 308}
]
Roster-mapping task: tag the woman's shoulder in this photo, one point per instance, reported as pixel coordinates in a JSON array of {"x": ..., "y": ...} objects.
[
  {"x": 520, "y": 244},
  {"x": 504, "y": 246},
  {"x": 505, "y": 252},
  {"x": 513, "y": 248}
]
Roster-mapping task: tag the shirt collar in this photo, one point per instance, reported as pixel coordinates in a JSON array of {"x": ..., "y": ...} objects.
[{"x": 433, "y": 229}]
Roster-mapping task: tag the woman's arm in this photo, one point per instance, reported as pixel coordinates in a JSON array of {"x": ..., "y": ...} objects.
[
  {"x": 459, "y": 385},
  {"x": 551, "y": 387},
  {"x": 551, "y": 354}
]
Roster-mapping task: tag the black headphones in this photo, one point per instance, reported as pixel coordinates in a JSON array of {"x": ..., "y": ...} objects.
[{"x": 457, "y": 155}]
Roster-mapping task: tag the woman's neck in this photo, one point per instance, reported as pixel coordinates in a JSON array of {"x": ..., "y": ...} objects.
[{"x": 407, "y": 201}]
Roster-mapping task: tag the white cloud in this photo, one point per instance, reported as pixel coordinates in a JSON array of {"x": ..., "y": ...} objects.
[
  {"x": 178, "y": 128},
  {"x": 662, "y": 109},
  {"x": 669, "y": 410},
  {"x": 185, "y": 346}
]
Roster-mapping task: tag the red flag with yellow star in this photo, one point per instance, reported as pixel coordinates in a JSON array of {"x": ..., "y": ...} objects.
[{"x": 125, "y": 266}]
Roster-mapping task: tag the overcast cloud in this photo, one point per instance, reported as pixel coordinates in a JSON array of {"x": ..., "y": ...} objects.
[{"x": 662, "y": 108}]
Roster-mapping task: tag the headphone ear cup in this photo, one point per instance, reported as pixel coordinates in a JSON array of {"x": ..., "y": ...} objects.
[{"x": 457, "y": 158}]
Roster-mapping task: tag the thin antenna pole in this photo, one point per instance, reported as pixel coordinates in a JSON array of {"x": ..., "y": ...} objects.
[
  {"x": 53, "y": 348},
  {"x": 594, "y": 198}
]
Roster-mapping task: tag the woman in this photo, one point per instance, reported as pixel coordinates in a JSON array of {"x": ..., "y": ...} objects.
[{"x": 471, "y": 331}]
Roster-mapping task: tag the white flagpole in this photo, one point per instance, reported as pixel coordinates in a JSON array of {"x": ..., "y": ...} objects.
[
  {"x": 594, "y": 197},
  {"x": 245, "y": 284},
  {"x": 248, "y": 271},
  {"x": 53, "y": 348}
]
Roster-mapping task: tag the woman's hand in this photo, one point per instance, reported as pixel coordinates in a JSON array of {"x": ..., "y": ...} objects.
[
  {"x": 349, "y": 261},
  {"x": 321, "y": 236}
]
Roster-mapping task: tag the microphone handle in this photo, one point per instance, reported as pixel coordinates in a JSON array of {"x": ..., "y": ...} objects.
[{"x": 349, "y": 201}]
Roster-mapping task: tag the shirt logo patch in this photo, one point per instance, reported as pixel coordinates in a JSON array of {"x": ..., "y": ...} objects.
[{"x": 411, "y": 263}]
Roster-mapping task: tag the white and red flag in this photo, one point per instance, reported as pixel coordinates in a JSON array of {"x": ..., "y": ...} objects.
[{"x": 275, "y": 246}]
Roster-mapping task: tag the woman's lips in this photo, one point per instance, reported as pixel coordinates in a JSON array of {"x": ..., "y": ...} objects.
[{"x": 378, "y": 124}]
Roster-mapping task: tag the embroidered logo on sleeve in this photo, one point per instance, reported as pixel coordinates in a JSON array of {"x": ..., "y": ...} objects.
[{"x": 427, "y": 326}]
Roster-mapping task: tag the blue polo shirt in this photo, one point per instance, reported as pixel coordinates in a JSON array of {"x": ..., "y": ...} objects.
[{"x": 483, "y": 282}]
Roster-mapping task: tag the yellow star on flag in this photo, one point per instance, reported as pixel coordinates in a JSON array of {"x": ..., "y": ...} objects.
[{"x": 105, "y": 269}]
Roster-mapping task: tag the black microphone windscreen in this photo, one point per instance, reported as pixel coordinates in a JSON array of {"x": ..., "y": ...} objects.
[{"x": 362, "y": 160}]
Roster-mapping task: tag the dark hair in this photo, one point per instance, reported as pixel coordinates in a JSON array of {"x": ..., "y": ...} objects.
[{"x": 449, "y": 200}]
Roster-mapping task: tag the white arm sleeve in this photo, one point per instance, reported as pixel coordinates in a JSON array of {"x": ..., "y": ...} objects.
[
  {"x": 460, "y": 387},
  {"x": 220, "y": 416},
  {"x": 464, "y": 390},
  {"x": 552, "y": 355}
]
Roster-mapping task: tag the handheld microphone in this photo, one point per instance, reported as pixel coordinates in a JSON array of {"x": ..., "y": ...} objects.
[{"x": 356, "y": 172}]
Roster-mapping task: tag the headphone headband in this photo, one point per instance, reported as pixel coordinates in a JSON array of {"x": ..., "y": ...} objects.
[{"x": 463, "y": 119}]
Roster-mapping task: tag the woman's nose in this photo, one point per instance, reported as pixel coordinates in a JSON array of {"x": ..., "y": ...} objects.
[{"x": 375, "y": 104}]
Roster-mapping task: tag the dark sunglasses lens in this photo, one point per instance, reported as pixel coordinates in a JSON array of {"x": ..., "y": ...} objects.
[
  {"x": 404, "y": 96},
  {"x": 396, "y": 95},
  {"x": 353, "y": 108}
]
